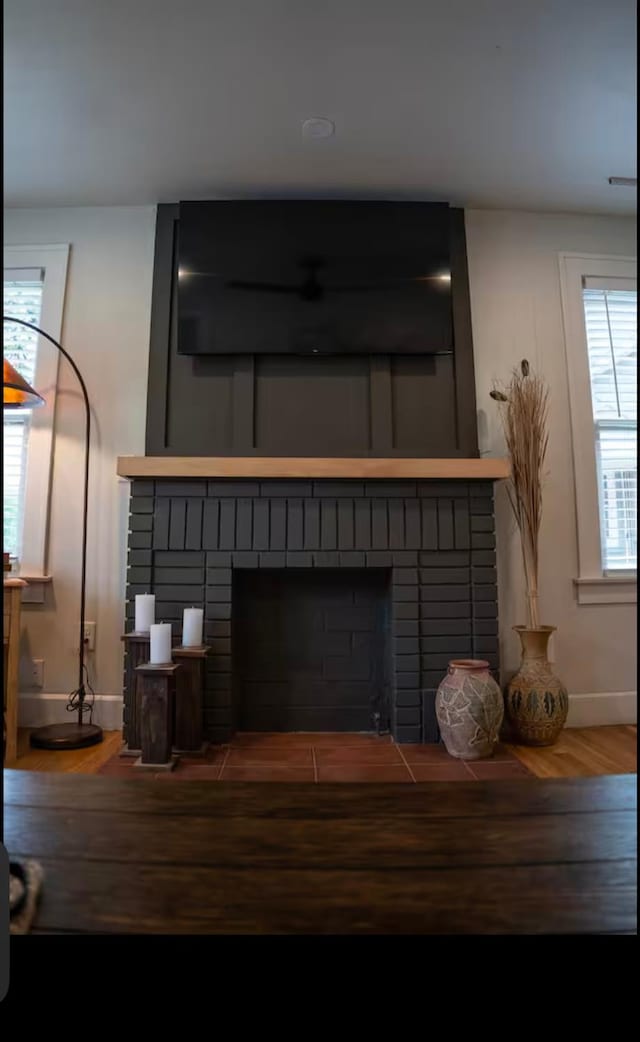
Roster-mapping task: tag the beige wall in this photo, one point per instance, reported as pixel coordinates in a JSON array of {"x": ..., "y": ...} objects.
[
  {"x": 516, "y": 313},
  {"x": 515, "y": 300},
  {"x": 106, "y": 330}
]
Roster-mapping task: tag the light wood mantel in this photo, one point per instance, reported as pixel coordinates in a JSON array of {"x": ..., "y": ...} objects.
[{"x": 301, "y": 467}]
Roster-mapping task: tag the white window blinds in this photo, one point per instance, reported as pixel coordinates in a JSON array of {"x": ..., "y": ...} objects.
[
  {"x": 611, "y": 309},
  {"x": 22, "y": 299}
]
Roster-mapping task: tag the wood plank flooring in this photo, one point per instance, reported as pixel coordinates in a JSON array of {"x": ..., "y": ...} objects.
[{"x": 579, "y": 752}]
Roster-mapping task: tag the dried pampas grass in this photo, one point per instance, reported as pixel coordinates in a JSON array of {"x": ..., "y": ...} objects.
[{"x": 523, "y": 404}]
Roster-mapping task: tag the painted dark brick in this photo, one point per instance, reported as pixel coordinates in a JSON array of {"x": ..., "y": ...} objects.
[
  {"x": 482, "y": 592},
  {"x": 483, "y": 557},
  {"x": 245, "y": 559},
  {"x": 181, "y": 488},
  {"x": 408, "y": 680},
  {"x": 485, "y": 645},
  {"x": 406, "y": 627},
  {"x": 437, "y": 489},
  {"x": 178, "y": 559},
  {"x": 407, "y": 663},
  {"x": 405, "y": 576},
  {"x": 346, "y": 529},
  {"x": 191, "y": 576},
  {"x": 140, "y": 558},
  {"x": 444, "y": 575},
  {"x": 219, "y": 576},
  {"x": 217, "y": 629},
  {"x": 481, "y": 505},
  {"x": 328, "y": 525},
  {"x": 409, "y": 698},
  {"x": 218, "y": 559},
  {"x": 273, "y": 559},
  {"x": 299, "y": 559},
  {"x": 140, "y": 522},
  {"x": 379, "y": 559},
  {"x": 404, "y": 558},
  {"x": 220, "y": 489},
  {"x": 141, "y": 505},
  {"x": 445, "y": 593},
  {"x": 142, "y": 488},
  {"x": 430, "y": 729},
  {"x": 485, "y": 610},
  {"x": 311, "y": 524},
  {"x": 408, "y": 734},
  {"x": 452, "y": 645},
  {"x": 445, "y": 627},
  {"x": 483, "y": 541},
  {"x": 482, "y": 523},
  {"x": 405, "y": 593},
  {"x": 295, "y": 525},
  {"x": 278, "y": 525},
  {"x": 445, "y": 559},
  {"x": 485, "y": 627},
  {"x": 140, "y": 540},
  {"x": 446, "y": 610},
  {"x": 404, "y": 489},
  {"x": 406, "y": 645},
  {"x": 139, "y": 575},
  {"x": 326, "y": 559},
  {"x": 429, "y": 524}
]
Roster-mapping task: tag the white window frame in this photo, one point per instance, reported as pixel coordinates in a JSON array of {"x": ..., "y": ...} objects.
[
  {"x": 593, "y": 586},
  {"x": 53, "y": 260}
]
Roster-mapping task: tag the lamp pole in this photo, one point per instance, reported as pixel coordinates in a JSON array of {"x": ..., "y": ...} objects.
[{"x": 70, "y": 736}]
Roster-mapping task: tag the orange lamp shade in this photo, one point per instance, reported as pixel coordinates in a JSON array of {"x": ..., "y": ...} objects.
[{"x": 17, "y": 394}]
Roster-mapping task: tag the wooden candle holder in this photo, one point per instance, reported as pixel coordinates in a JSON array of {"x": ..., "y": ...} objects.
[
  {"x": 156, "y": 693},
  {"x": 188, "y": 735},
  {"x": 137, "y": 647}
]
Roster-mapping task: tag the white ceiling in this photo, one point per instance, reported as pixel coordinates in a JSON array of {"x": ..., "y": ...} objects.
[{"x": 525, "y": 104}]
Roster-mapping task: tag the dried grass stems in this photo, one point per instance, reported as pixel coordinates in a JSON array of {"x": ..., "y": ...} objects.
[{"x": 524, "y": 414}]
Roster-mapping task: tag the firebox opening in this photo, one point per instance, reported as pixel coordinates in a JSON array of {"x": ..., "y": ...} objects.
[{"x": 311, "y": 650}]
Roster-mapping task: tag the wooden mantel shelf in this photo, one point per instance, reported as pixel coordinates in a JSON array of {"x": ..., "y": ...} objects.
[{"x": 301, "y": 467}]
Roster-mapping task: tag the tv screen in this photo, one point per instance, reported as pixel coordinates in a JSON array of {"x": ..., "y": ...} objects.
[{"x": 293, "y": 277}]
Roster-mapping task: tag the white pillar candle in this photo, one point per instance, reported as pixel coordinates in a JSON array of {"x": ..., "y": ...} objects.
[
  {"x": 192, "y": 627},
  {"x": 145, "y": 612},
  {"x": 160, "y": 635}
]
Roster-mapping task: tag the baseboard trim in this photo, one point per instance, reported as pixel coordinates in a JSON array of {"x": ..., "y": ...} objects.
[
  {"x": 38, "y": 710},
  {"x": 609, "y": 707}
]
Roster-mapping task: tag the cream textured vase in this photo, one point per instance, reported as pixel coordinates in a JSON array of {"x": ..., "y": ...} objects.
[
  {"x": 537, "y": 702},
  {"x": 469, "y": 709}
]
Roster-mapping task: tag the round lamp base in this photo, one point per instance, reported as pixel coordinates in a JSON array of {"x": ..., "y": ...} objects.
[{"x": 66, "y": 736}]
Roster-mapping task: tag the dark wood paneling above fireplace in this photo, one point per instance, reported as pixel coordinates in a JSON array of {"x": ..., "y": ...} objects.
[{"x": 416, "y": 406}]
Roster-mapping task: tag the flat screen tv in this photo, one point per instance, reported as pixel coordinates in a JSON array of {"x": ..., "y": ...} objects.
[{"x": 314, "y": 277}]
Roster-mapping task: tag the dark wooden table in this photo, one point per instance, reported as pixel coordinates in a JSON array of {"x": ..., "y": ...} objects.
[{"x": 530, "y": 856}]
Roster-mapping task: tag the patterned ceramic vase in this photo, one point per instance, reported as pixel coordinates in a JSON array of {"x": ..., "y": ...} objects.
[
  {"x": 469, "y": 709},
  {"x": 537, "y": 702}
]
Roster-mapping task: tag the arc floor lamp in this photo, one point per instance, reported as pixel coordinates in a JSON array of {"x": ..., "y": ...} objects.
[{"x": 17, "y": 394}]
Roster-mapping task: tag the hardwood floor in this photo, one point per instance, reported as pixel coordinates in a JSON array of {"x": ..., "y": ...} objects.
[
  {"x": 583, "y": 752},
  {"x": 579, "y": 752}
]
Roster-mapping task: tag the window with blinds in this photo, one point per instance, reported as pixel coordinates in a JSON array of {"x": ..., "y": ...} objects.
[
  {"x": 22, "y": 299},
  {"x": 610, "y": 307}
]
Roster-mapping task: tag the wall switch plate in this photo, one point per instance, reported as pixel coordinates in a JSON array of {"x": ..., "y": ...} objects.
[
  {"x": 37, "y": 672},
  {"x": 551, "y": 648},
  {"x": 90, "y": 636}
]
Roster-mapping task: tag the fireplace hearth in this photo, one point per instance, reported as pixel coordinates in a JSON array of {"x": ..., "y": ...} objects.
[{"x": 329, "y": 604}]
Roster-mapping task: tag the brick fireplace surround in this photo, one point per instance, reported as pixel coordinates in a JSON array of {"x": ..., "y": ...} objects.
[{"x": 431, "y": 542}]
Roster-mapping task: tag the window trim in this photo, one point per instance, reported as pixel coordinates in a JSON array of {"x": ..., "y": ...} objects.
[
  {"x": 593, "y": 585},
  {"x": 53, "y": 260}
]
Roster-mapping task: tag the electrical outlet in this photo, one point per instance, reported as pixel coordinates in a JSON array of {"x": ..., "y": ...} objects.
[
  {"x": 37, "y": 672},
  {"x": 90, "y": 636}
]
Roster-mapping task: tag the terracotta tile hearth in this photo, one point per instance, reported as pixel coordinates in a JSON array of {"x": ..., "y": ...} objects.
[{"x": 325, "y": 758}]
